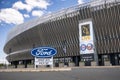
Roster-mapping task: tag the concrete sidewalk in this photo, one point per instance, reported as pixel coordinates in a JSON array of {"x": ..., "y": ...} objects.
[{"x": 35, "y": 70}]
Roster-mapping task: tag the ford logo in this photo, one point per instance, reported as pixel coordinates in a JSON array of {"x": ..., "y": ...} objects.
[{"x": 43, "y": 52}]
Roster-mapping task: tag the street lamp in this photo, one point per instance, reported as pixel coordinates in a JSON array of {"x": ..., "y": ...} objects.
[{"x": 64, "y": 49}]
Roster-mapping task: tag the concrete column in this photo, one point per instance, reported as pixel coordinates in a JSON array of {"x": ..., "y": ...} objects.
[
  {"x": 112, "y": 59},
  {"x": 26, "y": 63},
  {"x": 119, "y": 58},
  {"x": 73, "y": 59},
  {"x": 16, "y": 63},
  {"x": 100, "y": 60},
  {"x": 116, "y": 59},
  {"x": 12, "y": 65},
  {"x": 76, "y": 60}
]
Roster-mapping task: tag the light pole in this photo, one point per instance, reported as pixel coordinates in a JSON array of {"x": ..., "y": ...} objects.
[{"x": 64, "y": 49}]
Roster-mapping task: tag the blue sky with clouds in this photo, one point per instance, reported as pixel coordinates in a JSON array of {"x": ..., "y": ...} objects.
[{"x": 15, "y": 12}]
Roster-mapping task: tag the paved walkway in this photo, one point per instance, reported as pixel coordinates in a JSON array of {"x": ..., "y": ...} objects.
[{"x": 34, "y": 70}]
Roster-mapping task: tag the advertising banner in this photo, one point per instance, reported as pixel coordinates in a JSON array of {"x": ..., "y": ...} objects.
[
  {"x": 44, "y": 61},
  {"x": 86, "y": 37}
]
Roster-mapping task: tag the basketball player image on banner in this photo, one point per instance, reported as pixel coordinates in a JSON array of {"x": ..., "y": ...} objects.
[
  {"x": 86, "y": 37},
  {"x": 85, "y": 32}
]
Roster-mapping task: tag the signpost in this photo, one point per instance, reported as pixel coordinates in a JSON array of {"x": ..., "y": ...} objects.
[
  {"x": 64, "y": 49},
  {"x": 43, "y": 55}
]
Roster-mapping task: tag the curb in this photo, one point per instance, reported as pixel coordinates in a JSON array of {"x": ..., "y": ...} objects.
[
  {"x": 54, "y": 69},
  {"x": 97, "y": 67}
]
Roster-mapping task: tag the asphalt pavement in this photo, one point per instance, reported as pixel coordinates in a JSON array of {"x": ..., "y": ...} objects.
[{"x": 74, "y": 74}]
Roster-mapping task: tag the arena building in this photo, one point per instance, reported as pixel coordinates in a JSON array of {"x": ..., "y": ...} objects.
[{"x": 61, "y": 30}]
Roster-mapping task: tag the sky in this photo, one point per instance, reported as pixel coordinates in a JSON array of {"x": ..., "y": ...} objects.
[{"x": 15, "y": 12}]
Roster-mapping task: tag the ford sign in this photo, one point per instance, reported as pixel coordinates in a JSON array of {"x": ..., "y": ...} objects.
[{"x": 43, "y": 52}]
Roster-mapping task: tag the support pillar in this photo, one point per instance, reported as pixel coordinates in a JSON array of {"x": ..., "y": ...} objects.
[
  {"x": 118, "y": 59},
  {"x": 114, "y": 59},
  {"x": 25, "y": 63},
  {"x": 73, "y": 59},
  {"x": 16, "y": 63},
  {"x": 76, "y": 60},
  {"x": 100, "y": 60}
]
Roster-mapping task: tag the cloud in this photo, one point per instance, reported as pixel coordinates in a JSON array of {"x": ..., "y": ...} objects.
[
  {"x": 31, "y": 4},
  {"x": 37, "y": 13},
  {"x": 14, "y": 16},
  {"x": 42, "y": 4},
  {"x": 80, "y": 1},
  {"x": 21, "y": 6},
  {"x": 10, "y": 15},
  {"x": 26, "y": 15}
]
